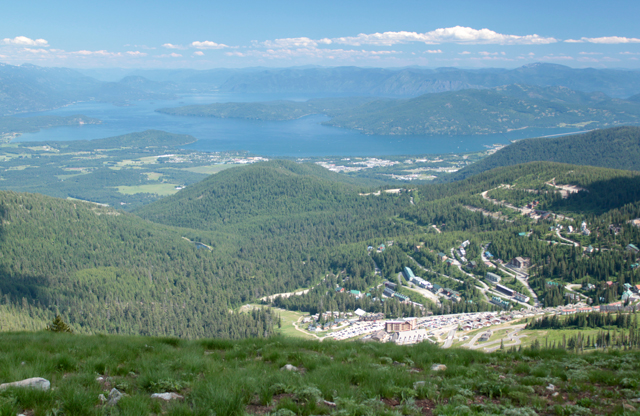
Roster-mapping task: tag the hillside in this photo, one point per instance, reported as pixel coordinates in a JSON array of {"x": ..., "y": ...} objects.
[
  {"x": 498, "y": 110},
  {"x": 466, "y": 112},
  {"x": 108, "y": 271},
  {"x": 272, "y": 189},
  {"x": 12, "y": 125},
  {"x": 245, "y": 378},
  {"x": 617, "y": 148}
]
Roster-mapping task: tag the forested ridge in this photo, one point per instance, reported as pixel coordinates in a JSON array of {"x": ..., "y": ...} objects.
[
  {"x": 617, "y": 148},
  {"x": 465, "y": 112}
]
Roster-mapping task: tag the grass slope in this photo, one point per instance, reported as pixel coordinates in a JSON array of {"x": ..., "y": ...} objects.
[{"x": 245, "y": 378}]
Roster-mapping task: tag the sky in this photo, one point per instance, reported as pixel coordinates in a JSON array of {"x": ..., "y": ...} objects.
[{"x": 371, "y": 33}]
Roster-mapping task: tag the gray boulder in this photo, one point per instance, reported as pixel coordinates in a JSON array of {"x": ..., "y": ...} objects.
[
  {"x": 37, "y": 383},
  {"x": 438, "y": 367},
  {"x": 289, "y": 367},
  {"x": 114, "y": 397},
  {"x": 167, "y": 396}
]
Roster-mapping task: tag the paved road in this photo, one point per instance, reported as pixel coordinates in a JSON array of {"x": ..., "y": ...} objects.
[
  {"x": 449, "y": 340},
  {"x": 511, "y": 336},
  {"x": 566, "y": 239}
]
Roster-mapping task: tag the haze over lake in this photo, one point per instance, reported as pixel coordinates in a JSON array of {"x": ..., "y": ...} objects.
[{"x": 305, "y": 137}]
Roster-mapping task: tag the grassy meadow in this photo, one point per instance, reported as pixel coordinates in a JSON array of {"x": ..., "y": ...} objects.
[{"x": 221, "y": 377}]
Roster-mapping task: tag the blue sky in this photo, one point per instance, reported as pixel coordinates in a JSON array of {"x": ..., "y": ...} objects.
[{"x": 210, "y": 34}]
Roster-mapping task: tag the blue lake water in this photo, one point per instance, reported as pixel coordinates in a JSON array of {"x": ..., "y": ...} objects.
[{"x": 305, "y": 137}]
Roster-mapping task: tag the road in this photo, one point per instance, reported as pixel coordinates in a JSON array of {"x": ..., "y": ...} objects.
[
  {"x": 566, "y": 239},
  {"x": 449, "y": 340},
  {"x": 512, "y": 336}
]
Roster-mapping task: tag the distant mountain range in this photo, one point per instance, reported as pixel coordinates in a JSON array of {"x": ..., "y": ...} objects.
[
  {"x": 30, "y": 88},
  {"x": 417, "y": 81},
  {"x": 471, "y": 111}
]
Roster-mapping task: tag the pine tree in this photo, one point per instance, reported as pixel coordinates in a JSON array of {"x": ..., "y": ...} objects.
[{"x": 58, "y": 325}]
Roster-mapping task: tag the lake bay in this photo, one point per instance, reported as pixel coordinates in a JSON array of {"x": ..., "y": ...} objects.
[{"x": 305, "y": 137}]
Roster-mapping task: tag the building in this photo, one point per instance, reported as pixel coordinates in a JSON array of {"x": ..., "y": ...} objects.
[
  {"x": 520, "y": 297},
  {"x": 410, "y": 337},
  {"x": 632, "y": 248},
  {"x": 520, "y": 262},
  {"x": 492, "y": 277},
  {"x": 442, "y": 256},
  {"x": 372, "y": 317},
  {"x": 400, "y": 297},
  {"x": 402, "y": 325},
  {"x": 381, "y": 336},
  {"x": 500, "y": 302},
  {"x": 436, "y": 288},
  {"x": 388, "y": 292},
  {"x": 390, "y": 285},
  {"x": 408, "y": 274},
  {"x": 505, "y": 290}
]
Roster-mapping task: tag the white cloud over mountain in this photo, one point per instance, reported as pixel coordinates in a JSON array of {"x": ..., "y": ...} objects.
[
  {"x": 605, "y": 40},
  {"x": 457, "y": 34},
  {"x": 25, "y": 41}
]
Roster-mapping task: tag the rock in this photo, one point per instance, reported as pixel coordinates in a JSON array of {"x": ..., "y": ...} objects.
[
  {"x": 627, "y": 406},
  {"x": 328, "y": 403},
  {"x": 167, "y": 396},
  {"x": 418, "y": 384},
  {"x": 102, "y": 398},
  {"x": 114, "y": 397},
  {"x": 438, "y": 367},
  {"x": 551, "y": 387},
  {"x": 636, "y": 400},
  {"x": 289, "y": 367},
  {"x": 37, "y": 383},
  {"x": 555, "y": 394},
  {"x": 100, "y": 378}
]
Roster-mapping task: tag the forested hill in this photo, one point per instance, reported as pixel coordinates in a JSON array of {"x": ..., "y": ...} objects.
[
  {"x": 270, "y": 189},
  {"x": 108, "y": 271},
  {"x": 471, "y": 111},
  {"x": 617, "y": 148},
  {"x": 253, "y": 231}
]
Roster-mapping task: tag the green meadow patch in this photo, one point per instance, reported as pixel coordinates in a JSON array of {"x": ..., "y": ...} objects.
[{"x": 223, "y": 377}]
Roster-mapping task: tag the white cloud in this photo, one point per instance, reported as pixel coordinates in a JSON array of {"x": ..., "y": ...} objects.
[
  {"x": 25, "y": 41},
  {"x": 457, "y": 34},
  {"x": 136, "y": 53},
  {"x": 170, "y": 55},
  {"x": 287, "y": 43},
  {"x": 433, "y": 51},
  {"x": 198, "y": 53},
  {"x": 629, "y": 53},
  {"x": 590, "y": 53},
  {"x": 605, "y": 40},
  {"x": 36, "y": 50},
  {"x": 465, "y": 53},
  {"x": 208, "y": 45},
  {"x": 484, "y": 53},
  {"x": 312, "y": 52},
  {"x": 171, "y": 46},
  {"x": 96, "y": 53}
]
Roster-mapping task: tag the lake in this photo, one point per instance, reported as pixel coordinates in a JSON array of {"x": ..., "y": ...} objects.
[{"x": 305, "y": 137}]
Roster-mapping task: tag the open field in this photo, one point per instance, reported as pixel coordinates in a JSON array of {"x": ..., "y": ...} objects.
[
  {"x": 209, "y": 170},
  {"x": 156, "y": 188}
]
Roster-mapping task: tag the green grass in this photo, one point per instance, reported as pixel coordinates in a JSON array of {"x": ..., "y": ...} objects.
[
  {"x": 224, "y": 377},
  {"x": 156, "y": 188}
]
